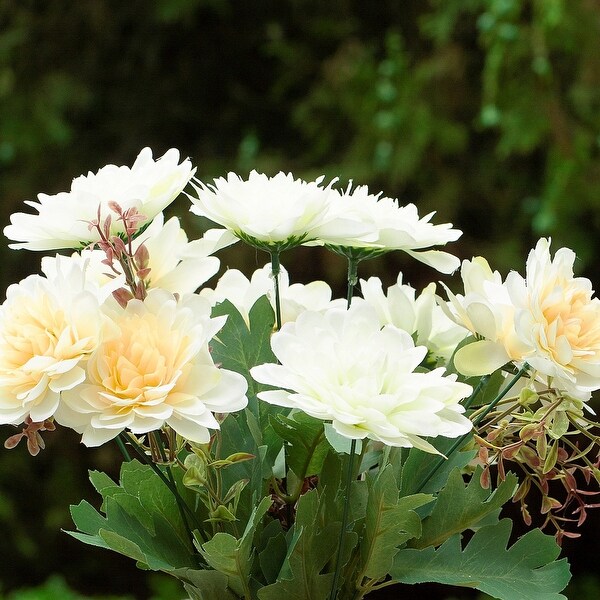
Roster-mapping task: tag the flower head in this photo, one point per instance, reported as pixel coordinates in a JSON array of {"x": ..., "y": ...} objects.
[
  {"x": 418, "y": 315},
  {"x": 49, "y": 326},
  {"x": 243, "y": 293},
  {"x": 157, "y": 370},
  {"x": 549, "y": 319},
  {"x": 557, "y": 317},
  {"x": 396, "y": 228},
  {"x": 342, "y": 366},
  {"x": 63, "y": 219},
  {"x": 274, "y": 212},
  {"x": 175, "y": 264}
]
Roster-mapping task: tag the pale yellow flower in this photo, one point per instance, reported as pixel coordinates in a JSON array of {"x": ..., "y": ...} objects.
[
  {"x": 157, "y": 370},
  {"x": 557, "y": 316},
  {"x": 49, "y": 326},
  {"x": 396, "y": 228},
  {"x": 549, "y": 319}
]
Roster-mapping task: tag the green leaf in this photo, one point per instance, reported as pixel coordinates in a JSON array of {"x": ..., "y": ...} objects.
[
  {"x": 273, "y": 555},
  {"x": 239, "y": 347},
  {"x": 528, "y": 569},
  {"x": 232, "y": 557},
  {"x": 142, "y": 519},
  {"x": 306, "y": 446},
  {"x": 417, "y": 471},
  {"x": 389, "y": 522},
  {"x": 205, "y": 584},
  {"x": 459, "y": 507},
  {"x": 311, "y": 547}
]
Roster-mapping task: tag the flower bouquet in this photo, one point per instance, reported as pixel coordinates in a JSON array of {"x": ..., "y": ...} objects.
[{"x": 278, "y": 443}]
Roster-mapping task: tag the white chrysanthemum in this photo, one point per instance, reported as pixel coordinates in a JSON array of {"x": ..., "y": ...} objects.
[
  {"x": 157, "y": 370},
  {"x": 48, "y": 327},
  {"x": 62, "y": 219},
  {"x": 243, "y": 293},
  {"x": 418, "y": 315},
  {"x": 342, "y": 366},
  {"x": 275, "y": 212},
  {"x": 548, "y": 319},
  {"x": 397, "y": 228},
  {"x": 486, "y": 310},
  {"x": 175, "y": 264}
]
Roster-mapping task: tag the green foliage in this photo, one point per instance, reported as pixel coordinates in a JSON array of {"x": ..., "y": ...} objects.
[
  {"x": 460, "y": 507},
  {"x": 240, "y": 346},
  {"x": 141, "y": 520},
  {"x": 306, "y": 446},
  {"x": 525, "y": 570},
  {"x": 389, "y": 522},
  {"x": 234, "y": 558}
]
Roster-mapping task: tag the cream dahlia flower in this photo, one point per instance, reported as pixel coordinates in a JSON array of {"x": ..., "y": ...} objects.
[
  {"x": 275, "y": 212},
  {"x": 487, "y": 311},
  {"x": 418, "y": 315},
  {"x": 157, "y": 370},
  {"x": 49, "y": 327},
  {"x": 549, "y": 319},
  {"x": 397, "y": 228},
  {"x": 62, "y": 220},
  {"x": 342, "y": 366},
  {"x": 242, "y": 292},
  {"x": 558, "y": 318}
]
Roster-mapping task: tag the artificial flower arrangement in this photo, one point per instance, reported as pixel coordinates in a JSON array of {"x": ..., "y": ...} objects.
[{"x": 280, "y": 444}]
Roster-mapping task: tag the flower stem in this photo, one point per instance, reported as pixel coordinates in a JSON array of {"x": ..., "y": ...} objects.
[
  {"x": 460, "y": 441},
  {"x": 352, "y": 278},
  {"x": 170, "y": 483},
  {"x": 123, "y": 449},
  {"x": 348, "y": 484},
  {"x": 275, "y": 271}
]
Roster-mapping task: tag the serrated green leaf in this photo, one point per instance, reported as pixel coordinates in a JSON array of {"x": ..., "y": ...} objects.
[
  {"x": 205, "y": 584},
  {"x": 306, "y": 446},
  {"x": 528, "y": 569},
  {"x": 141, "y": 520},
  {"x": 459, "y": 507},
  {"x": 389, "y": 522},
  {"x": 273, "y": 555},
  {"x": 233, "y": 557},
  {"x": 123, "y": 545},
  {"x": 86, "y": 517},
  {"x": 418, "y": 468},
  {"x": 239, "y": 347},
  {"x": 312, "y": 546}
]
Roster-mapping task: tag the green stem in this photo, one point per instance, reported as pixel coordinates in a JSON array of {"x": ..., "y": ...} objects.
[
  {"x": 123, "y": 449},
  {"x": 352, "y": 278},
  {"x": 275, "y": 271},
  {"x": 460, "y": 441},
  {"x": 180, "y": 503},
  {"x": 483, "y": 381},
  {"x": 348, "y": 485},
  {"x": 144, "y": 458}
]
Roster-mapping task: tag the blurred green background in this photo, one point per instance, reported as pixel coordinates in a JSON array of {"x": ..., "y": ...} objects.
[{"x": 486, "y": 111}]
